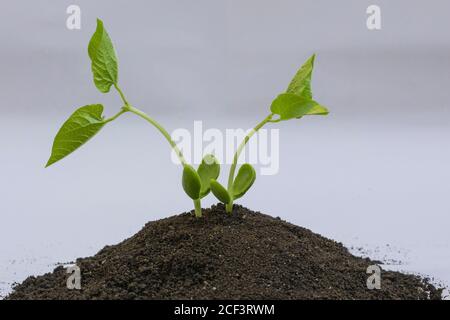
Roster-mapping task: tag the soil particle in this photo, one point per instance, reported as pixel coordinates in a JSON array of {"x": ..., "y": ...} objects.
[{"x": 246, "y": 255}]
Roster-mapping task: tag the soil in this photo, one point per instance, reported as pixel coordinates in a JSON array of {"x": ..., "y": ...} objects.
[{"x": 246, "y": 255}]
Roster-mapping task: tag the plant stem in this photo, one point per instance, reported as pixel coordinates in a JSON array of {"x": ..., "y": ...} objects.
[
  {"x": 197, "y": 203},
  {"x": 229, "y": 206},
  {"x": 122, "y": 111},
  {"x": 122, "y": 96},
  {"x": 127, "y": 107},
  {"x": 198, "y": 208},
  {"x": 160, "y": 129},
  {"x": 130, "y": 108}
]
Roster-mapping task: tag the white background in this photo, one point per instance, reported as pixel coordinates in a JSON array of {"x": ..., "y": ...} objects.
[{"x": 372, "y": 174}]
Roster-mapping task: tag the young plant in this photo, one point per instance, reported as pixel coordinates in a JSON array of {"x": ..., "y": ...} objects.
[
  {"x": 88, "y": 120},
  {"x": 196, "y": 183},
  {"x": 295, "y": 103}
]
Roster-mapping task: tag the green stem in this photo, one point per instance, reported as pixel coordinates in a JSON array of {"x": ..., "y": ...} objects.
[
  {"x": 160, "y": 129},
  {"x": 127, "y": 107},
  {"x": 198, "y": 208},
  {"x": 118, "y": 114},
  {"x": 197, "y": 202},
  {"x": 229, "y": 206},
  {"x": 122, "y": 96}
]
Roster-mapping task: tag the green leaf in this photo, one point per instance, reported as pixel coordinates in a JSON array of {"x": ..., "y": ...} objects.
[
  {"x": 244, "y": 180},
  {"x": 220, "y": 192},
  {"x": 318, "y": 110},
  {"x": 82, "y": 125},
  {"x": 289, "y": 106},
  {"x": 207, "y": 170},
  {"x": 103, "y": 57},
  {"x": 301, "y": 83},
  {"x": 191, "y": 182}
]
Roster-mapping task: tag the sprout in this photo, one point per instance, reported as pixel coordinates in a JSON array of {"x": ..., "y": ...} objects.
[
  {"x": 295, "y": 103},
  {"x": 87, "y": 121},
  {"x": 196, "y": 184}
]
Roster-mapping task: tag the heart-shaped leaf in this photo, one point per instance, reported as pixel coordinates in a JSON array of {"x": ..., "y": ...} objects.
[
  {"x": 244, "y": 180},
  {"x": 219, "y": 191},
  {"x": 289, "y": 106},
  {"x": 191, "y": 182},
  {"x": 301, "y": 83},
  {"x": 103, "y": 57},
  {"x": 207, "y": 170},
  {"x": 82, "y": 125}
]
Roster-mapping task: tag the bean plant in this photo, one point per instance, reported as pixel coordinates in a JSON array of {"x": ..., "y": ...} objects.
[
  {"x": 295, "y": 103},
  {"x": 88, "y": 120}
]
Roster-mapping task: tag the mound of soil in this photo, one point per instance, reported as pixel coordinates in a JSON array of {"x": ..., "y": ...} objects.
[{"x": 246, "y": 255}]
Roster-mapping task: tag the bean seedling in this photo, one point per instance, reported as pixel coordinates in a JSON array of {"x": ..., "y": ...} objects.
[
  {"x": 295, "y": 103},
  {"x": 88, "y": 120}
]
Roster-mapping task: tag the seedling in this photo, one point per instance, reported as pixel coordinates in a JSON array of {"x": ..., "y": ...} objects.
[
  {"x": 196, "y": 183},
  {"x": 295, "y": 103},
  {"x": 87, "y": 121}
]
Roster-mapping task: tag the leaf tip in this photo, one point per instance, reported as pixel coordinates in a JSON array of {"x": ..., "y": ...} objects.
[
  {"x": 312, "y": 60},
  {"x": 319, "y": 110},
  {"x": 49, "y": 163}
]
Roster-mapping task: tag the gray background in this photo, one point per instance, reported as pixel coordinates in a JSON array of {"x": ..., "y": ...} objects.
[{"x": 372, "y": 174}]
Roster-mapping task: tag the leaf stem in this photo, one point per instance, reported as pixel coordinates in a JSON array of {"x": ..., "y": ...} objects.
[
  {"x": 122, "y": 96},
  {"x": 229, "y": 206},
  {"x": 118, "y": 114}
]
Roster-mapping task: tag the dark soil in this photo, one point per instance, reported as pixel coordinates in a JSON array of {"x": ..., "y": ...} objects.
[{"x": 246, "y": 255}]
